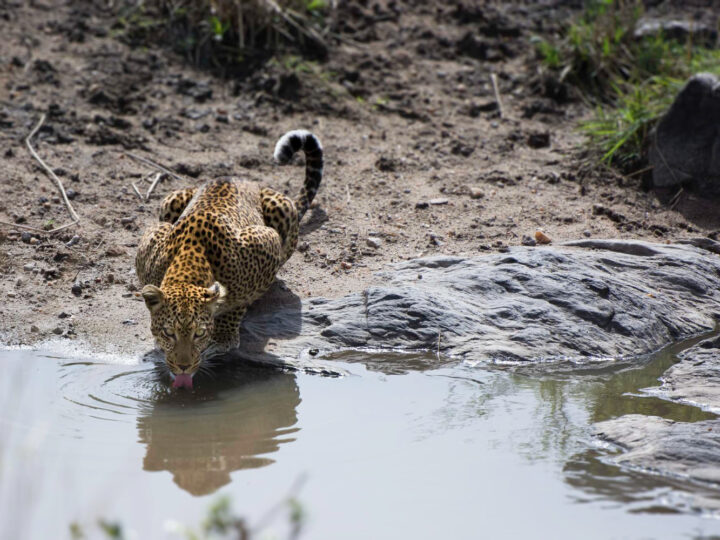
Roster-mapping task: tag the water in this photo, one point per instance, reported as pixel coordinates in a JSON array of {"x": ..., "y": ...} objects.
[{"x": 395, "y": 450}]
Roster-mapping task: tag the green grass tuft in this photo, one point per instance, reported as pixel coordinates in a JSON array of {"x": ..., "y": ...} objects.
[{"x": 631, "y": 81}]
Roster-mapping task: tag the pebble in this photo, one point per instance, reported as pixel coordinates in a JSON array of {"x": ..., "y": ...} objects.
[
  {"x": 34, "y": 241},
  {"x": 346, "y": 265},
  {"x": 74, "y": 240},
  {"x": 303, "y": 247},
  {"x": 542, "y": 238},
  {"x": 421, "y": 204},
  {"x": 25, "y": 237},
  {"x": 587, "y": 234},
  {"x": 373, "y": 242},
  {"x": 63, "y": 315},
  {"x": 29, "y": 267},
  {"x": 76, "y": 289},
  {"x": 438, "y": 202},
  {"x": 11, "y": 295},
  {"x": 71, "y": 194},
  {"x": 57, "y": 330},
  {"x": 34, "y": 328},
  {"x": 476, "y": 193},
  {"x": 527, "y": 241}
]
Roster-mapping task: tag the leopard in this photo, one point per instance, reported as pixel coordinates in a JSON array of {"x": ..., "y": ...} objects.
[{"x": 215, "y": 250}]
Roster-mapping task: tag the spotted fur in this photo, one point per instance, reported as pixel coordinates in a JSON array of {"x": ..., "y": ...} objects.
[{"x": 217, "y": 249}]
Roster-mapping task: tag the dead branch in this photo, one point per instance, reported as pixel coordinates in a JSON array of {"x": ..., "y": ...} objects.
[
  {"x": 159, "y": 176},
  {"x": 150, "y": 162},
  {"x": 493, "y": 79},
  {"x": 137, "y": 191},
  {"x": 58, "y": 184}
]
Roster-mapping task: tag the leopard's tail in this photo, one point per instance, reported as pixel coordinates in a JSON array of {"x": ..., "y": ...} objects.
[{"x": 285, "y": 149}]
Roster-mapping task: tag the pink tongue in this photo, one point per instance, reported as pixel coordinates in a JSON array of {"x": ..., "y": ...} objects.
[{"x": 183, "y": 381}]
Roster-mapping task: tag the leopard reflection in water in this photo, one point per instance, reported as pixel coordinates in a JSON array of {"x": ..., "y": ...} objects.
[{"x": 225, "y": 425}]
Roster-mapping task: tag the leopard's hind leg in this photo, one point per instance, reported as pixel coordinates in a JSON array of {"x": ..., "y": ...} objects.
[
  {"x": 280, "y": 213},
  {"x": 174, "y": 204}
]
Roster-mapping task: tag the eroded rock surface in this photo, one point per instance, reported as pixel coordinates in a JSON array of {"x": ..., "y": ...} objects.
[
  {"x": 695, "y": 380},
  {"x": 582, "y": 300},
  {"x": 681, "y": 449}
]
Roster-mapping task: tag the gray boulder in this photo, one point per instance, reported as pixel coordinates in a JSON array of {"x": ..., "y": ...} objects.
[
  {"x": 584, "y": 301},
  {"x": 695, "y": 379},
  {"x": 683, "y": 450},
  {"x": 685, "y": 147}
]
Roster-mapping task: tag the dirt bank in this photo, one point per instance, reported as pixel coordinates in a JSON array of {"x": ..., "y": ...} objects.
[{"x": 419, "y": 159}]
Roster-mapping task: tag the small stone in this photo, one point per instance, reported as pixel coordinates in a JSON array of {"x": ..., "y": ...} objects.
[
  {"x": 114, "y": 252},
  {"x": 25, "y": 237},
  {"x": 303, "y": 247},
  {"x": 34, "y": 241},
  {"x": 346, "y": 265},
  {"x": 130, "y": 322},
  {"x": 71, "y": 194},
  {"x": 313, "y": 352},
  {"x": 527, "y": 241},
  {"x": 538, "y": 140},
  {"x": 542, "y": 238},
  {"x": 476, "y": 193},
  {"x": 57, "y": 330},
  {"x": 74, "y": 240},
  {"x": 373, "y": 242},
  {"x": 438, "y": 202},
  {"x": 29, "y": 267},
  {"x": 587, "y": 234},
  {"x": 34, "y": 329},
  {"x": 11, "y": 295},
  {"x": 421, "y": 204},
  {"x": 110, "y": 278},
  {"x": 127, "y": 220},
  {"x": 76, "y": 289},
  {"x": 63, "y": 315}
]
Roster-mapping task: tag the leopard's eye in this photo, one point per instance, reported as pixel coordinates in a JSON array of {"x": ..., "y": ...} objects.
[
  {"x": 200, "y": 332},
  {"x": 168, "y": 332}
]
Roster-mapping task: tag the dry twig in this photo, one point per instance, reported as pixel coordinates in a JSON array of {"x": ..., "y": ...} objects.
[
  {"x": 150, "y": 162},
  {"x": 493, "y": 79},
  {"x": 58, "y": 184}
]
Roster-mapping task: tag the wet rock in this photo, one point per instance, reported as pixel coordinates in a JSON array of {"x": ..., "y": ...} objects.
[
  {"x": 659, "y": 446},
  {"x": 695, "y": 379},
  {"x": 685, "y": 147},
  {"x": 584, "y": 300}
]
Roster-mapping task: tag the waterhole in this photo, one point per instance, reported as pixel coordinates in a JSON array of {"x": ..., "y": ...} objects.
[{"x": 393, "y": 450}]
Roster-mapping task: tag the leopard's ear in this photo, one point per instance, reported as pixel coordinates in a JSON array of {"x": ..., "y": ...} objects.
[
  {"x": 153, "y": 297},
  {"x": 215, "y": 295}
]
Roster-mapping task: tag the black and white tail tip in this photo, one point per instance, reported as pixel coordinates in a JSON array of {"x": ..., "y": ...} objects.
[{"x": 285, "y": 149}]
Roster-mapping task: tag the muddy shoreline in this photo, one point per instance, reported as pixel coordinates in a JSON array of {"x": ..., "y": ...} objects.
[{"x": 419, "y": 162}]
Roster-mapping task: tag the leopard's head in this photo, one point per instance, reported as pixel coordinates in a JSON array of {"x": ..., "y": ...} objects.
[{"x": 182, "y": 323}]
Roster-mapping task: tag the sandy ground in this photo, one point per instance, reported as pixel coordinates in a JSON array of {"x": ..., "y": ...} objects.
[{"x": 419, "y": 160}]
